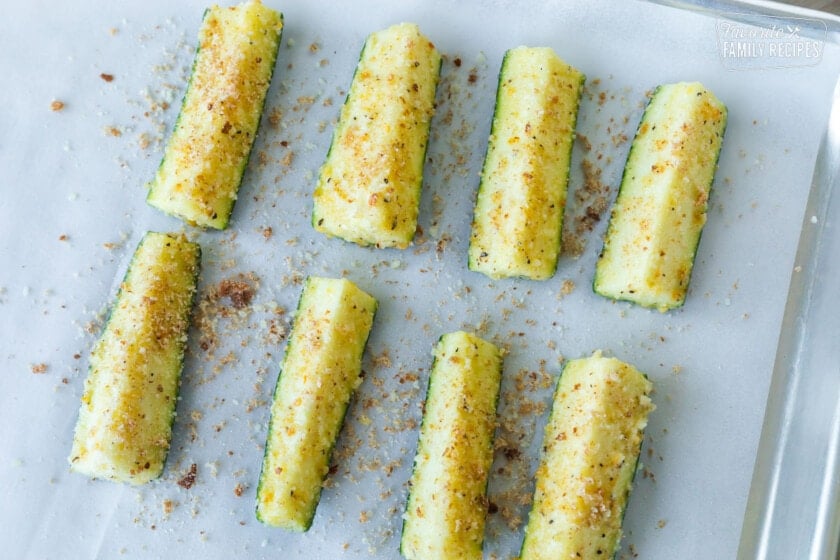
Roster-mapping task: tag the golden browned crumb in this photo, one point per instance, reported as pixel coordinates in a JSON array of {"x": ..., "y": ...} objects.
[
  {"x": 188, "y": 480},
  {"x": 238, "y": 490},
  {"x": 383, "y": 359},
  {"x": 39, "y": 368},
  {"x": 618, "y": 139},
  {"x": 56, "y": 105},
  {"x": 567, "y": 287},
  {"x": 591, "y": 201},
  {"x": 584, "y": 142},
  {"x": 440, "y": 246},
  {"x": 275, "y": 116},
  {"x": 239, "y": 292},
  {"x": 228, "y": 299},
  {"x": 519, "y": 409},
  {"x": 107, "y": 77}
]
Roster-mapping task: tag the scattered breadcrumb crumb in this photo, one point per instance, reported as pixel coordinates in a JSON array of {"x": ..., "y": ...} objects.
[
  {"x": 383, "y": 359},
  {"x": 107, "y": 77},
  {"x": 584, "y": 142},
  {"x": 39, "y": 368},
  {"x": 591, "y": 201},
  {"x": 56, "y": 105},
  {"x": 275, "y": 116},
  {"x": 239, "y": 292},
  {"x": 567, "y": 288},
  {"x": 188, "y": 480}
]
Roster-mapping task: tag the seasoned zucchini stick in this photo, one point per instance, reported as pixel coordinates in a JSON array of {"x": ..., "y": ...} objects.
[
  {"x": 321, "y": 370},
  {"x": 128, "y": 406},
  {"x": 519, "y": 209},
  {"x": 590, "y": 453},
  {"x": 208, "y": 151},
  {"x": 368, "y": 190},
  {"x": 444, "y": 516},
  {"x": 661, "y": 208}
]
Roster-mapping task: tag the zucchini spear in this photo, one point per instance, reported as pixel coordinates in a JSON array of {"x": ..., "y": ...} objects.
[
  {"x": 205, "y": 158},
  {"x": 444, "y": 516},
  {"x": 128, "y": 406},
  {"x": 660, "y": 211},
  {"x": 368, "y": 190},
  {"x": 321, "y": 370}
]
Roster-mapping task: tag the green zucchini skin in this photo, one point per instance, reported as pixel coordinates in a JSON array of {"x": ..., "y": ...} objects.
[
  {"x": 590, "y": 453},
  {"x": 661, "y": 208},
  {"x": 321, "y": 370},
  {"x": 125, "y": 420},
  {"x": 518, "y": 217},
  {"x": 446, "y": 508},
  {"x": 368, "y": 189},
  {"x": 205, "y": 159}
]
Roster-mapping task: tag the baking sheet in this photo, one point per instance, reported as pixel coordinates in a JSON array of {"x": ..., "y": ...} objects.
[{"x": 73, "y": 212}]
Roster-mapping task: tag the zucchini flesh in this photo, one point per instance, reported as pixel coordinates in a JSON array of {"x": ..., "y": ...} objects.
[
  {"x": 444, "y": 516},
  {"x": 128, "y": 406},
  {"x": 321, "y": 370},
  {"x": 590, "y": 454},
  {"x": 519, "y": 209},
  {"x": 205, "y": 158},
  {"x": 368, "y": 189},
  {"x": 661, "y": 207}
]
